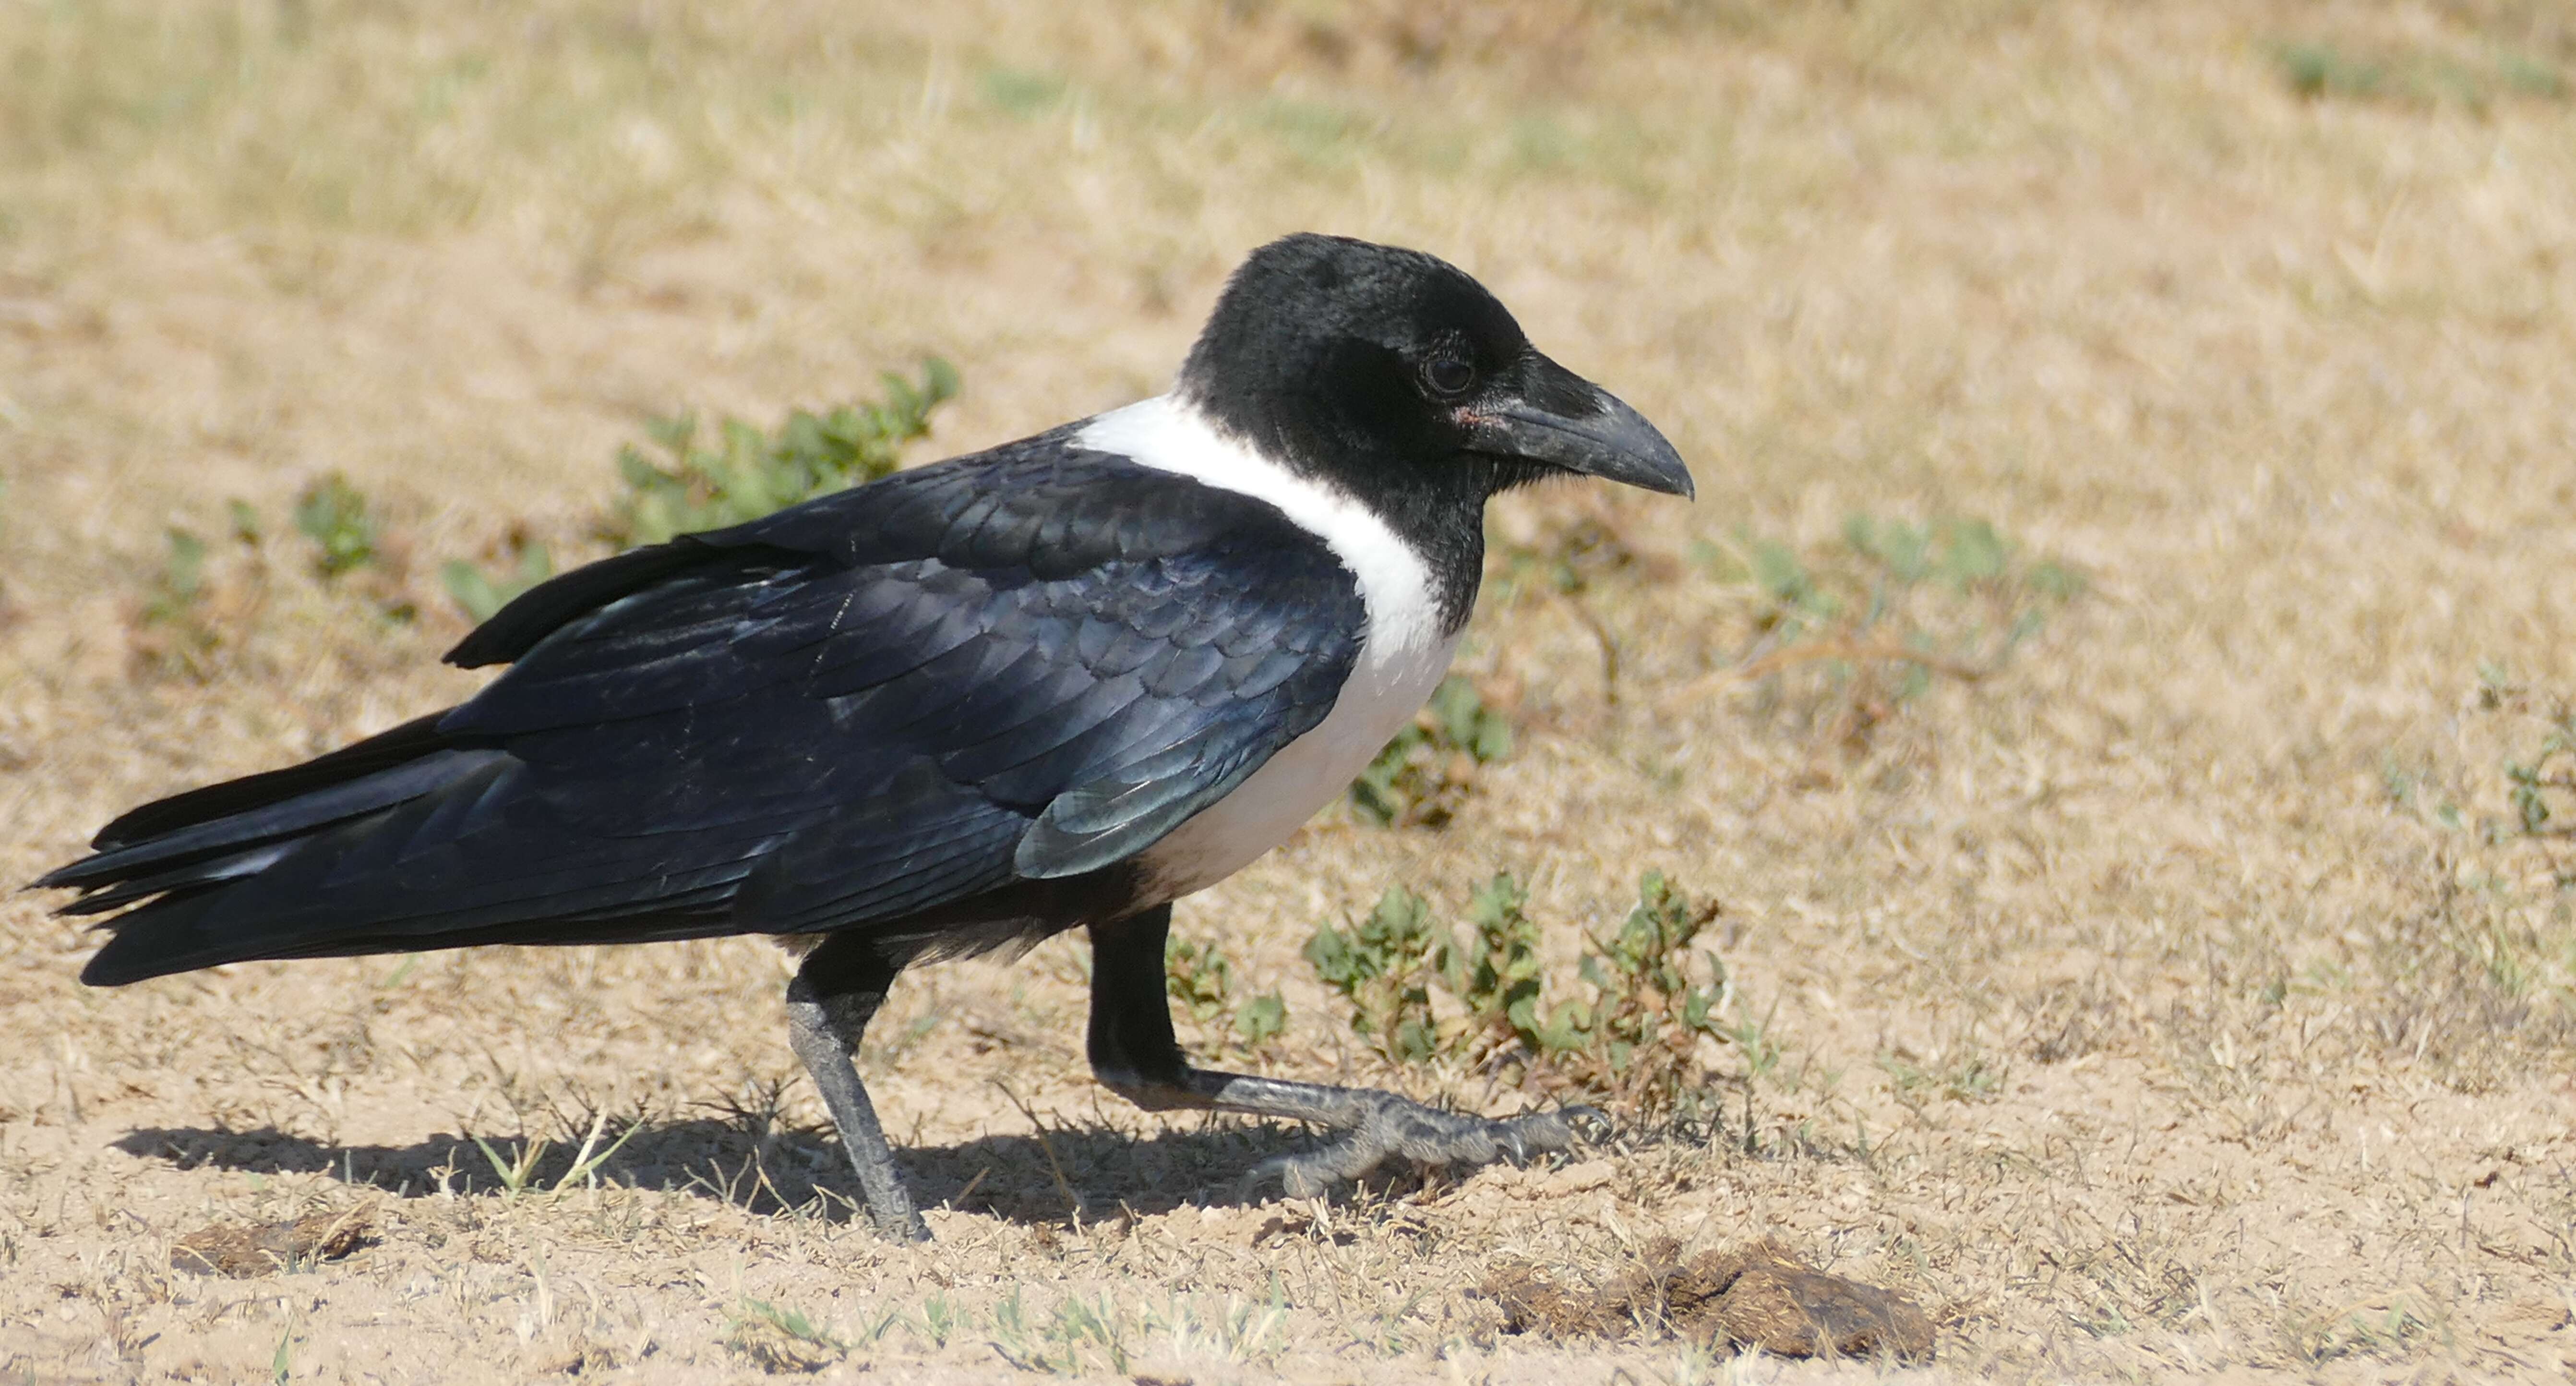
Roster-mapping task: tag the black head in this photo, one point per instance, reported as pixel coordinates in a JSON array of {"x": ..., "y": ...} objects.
[{"x": 1396, "y": 376}]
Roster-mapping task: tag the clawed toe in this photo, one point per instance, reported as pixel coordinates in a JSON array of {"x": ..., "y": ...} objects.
[
  {"x": 1587, "y": 1123},
  {"x": 1429, "y": 1137},
  {"x": 908, "y": 1228}
]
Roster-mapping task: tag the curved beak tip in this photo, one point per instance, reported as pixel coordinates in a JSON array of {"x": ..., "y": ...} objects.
[
  {"x": 1674, "y": 475},
  {"x": 1609, "y": 440},
  {"x": 1633, "y": 452}
]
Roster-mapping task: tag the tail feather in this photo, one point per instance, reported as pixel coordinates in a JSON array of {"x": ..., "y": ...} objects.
[
  {"x": 171, "y": 935},
  {"x": 405, "y": 842},
  {"x": 383, "y": 751},
  {"x": 170, "y": 916},
  {"x": 268, "y": 820},
  {"x": 249, "y": 862},
  {"x": 188, "y": 857}
]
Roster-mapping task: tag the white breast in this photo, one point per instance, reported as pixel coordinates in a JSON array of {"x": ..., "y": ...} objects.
[{"x": 1402, "y": 657}]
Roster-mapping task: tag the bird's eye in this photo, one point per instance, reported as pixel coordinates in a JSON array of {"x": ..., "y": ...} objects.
[{"x": 1449, "y": 376}]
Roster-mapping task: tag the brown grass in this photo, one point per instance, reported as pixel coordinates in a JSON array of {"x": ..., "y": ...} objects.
[{"x": 2178, "y": 999}]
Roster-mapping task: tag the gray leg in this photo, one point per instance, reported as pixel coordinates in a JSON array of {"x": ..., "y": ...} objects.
[
  {"x": 1134, "y": 1053},
  {"x": 828, "y": 1006}
]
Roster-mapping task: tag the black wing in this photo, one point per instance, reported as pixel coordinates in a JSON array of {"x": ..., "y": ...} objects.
[{"x": 1018, "y": 667}]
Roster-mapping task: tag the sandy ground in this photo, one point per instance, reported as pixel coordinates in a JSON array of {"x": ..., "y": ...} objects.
[{"x": 2184, "y": 997}]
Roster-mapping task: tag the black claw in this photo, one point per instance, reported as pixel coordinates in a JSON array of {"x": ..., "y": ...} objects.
[{"x": 1586, "y": 1123}]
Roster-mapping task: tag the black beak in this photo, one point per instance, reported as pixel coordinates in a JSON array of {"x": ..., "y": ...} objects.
[{"x": 1565, "y": 421}]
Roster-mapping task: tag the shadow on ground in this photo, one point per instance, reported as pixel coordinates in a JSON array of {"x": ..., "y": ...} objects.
[{"x": 1021, "y": 1178}]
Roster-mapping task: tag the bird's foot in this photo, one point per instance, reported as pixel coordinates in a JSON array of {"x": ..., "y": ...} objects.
[
  {"x": 911, "y": 1229},
  {"x": 1395, "y": 1126},
  {"x": 901, "y": 1222}
]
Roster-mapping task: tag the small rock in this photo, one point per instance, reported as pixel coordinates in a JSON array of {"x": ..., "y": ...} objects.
[
  {"x": 247, "y": 1251},
  {"x": 1757, "y": 1295},
  {"x": 1796, "y": 1312}
]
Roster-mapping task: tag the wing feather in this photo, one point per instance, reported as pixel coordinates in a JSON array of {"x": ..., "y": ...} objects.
[{"x": 866, "y": 712}]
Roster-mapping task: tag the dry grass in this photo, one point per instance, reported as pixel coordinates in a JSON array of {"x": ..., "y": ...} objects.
[{"x": 2179, "y": 999}]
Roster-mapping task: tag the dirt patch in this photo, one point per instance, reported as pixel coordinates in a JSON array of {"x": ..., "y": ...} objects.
[
  {"x": 1755, "y": 1296},
  {"x": 242, "y": 1252}
]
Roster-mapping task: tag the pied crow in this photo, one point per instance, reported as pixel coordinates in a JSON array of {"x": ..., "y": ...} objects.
[{"x": 1057, "y": 684}]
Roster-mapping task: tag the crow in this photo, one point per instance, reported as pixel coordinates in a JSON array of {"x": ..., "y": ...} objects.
[{"x": 1061, "y": 683}]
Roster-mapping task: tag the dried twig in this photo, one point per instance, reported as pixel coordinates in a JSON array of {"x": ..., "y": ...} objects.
[{"x": 1063, "y": 1185}]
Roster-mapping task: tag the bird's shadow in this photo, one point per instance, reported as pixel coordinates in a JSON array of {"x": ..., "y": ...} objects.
[{"x": 1088, "y": 1171}]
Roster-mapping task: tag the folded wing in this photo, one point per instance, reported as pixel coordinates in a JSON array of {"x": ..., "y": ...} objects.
[{"x": 868, "y": 712}]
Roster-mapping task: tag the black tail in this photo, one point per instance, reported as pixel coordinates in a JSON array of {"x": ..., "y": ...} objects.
[
  {"x": 421, "y": 838},
  {"x": 187, "y": 848},
  {"x": 408, "y": 841}
]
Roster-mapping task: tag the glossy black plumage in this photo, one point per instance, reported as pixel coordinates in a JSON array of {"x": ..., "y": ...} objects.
[
  {"x": 905, "y": 708},
  {"x": 953, "y": 709}
]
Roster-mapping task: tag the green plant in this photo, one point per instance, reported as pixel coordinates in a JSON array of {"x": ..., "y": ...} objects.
[
  {"x": 1627, "y": 1029},
  {"x": 1200, "y": 978},
  {"x": 1261, "y": 1019},
  {"x": 1754, "y": 1041},
  {"x": 1969, "y": 1075},
  {"x": 348, "y": 539},
  {"x": 940, "y": 1321},
  {"x": 1384, "y": 966},
  {"x": 1064, "y": 1345},
  {"x": 1239, "y": 1330},
  {"x": 2538, "y": 811},
  {"x": 1426, "y": 771},
  {"x": 518, "y": 1173},
  {"x": 588, "y": 1160},
  {"x": 480, "y": 594},
  {"x": 1023, "y": 94},
  {"x": 1495, "y": 973},
  {"x": 2318, "y": 70},
  {"x": 519, "y": 1170},
  {"x": 1879, "y": 614},
  {"x": 187, "y": 616},
  {"x": 2377, "y": 1331},
  {"x": 782, "y": 1339},
  {"x": 747, "y": 473},
  {"x": 2544, "y": 785},
  {"x": 333, "y": 514},
  {"x": 179, "y": 589},
  {"x": 1646, "y": 1013},
  {"x": 741, "y": 475}
]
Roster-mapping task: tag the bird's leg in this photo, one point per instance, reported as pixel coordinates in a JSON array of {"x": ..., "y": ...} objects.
[
  {"x": 1134, "y": 1053},
  {"x": 839, "y": 987}
]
